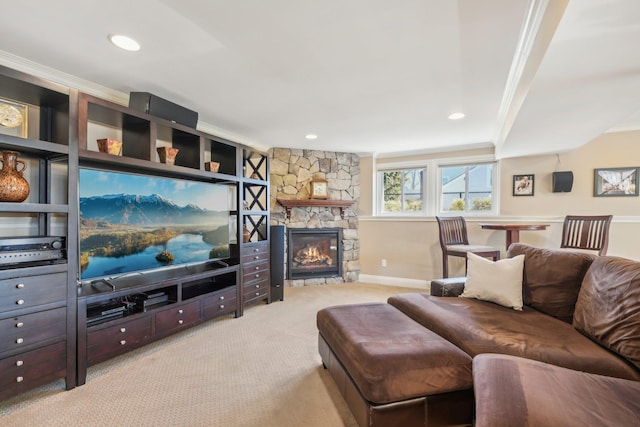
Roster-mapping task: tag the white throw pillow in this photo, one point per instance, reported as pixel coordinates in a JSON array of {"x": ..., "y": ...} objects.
[{"x": 499, "y": 282}]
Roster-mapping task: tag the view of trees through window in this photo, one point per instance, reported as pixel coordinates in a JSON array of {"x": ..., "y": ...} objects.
[
  {"x": 464, "y": 188},
  {"x": 467, "y": 187},
  {"x": 403, "y": 190}
]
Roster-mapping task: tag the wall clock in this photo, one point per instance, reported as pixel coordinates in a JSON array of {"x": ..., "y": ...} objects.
[{"x": 318, "y": 189}]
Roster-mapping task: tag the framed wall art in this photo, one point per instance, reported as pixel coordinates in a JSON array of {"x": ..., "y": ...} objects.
[
  {"x": 616, "y": 182},
  {"x": 523, "y": 185}
]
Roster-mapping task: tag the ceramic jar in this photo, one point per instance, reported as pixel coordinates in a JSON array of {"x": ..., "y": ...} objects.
[
  {"x": 13, "y": 186},
  {"x": 167, "y": 155}
]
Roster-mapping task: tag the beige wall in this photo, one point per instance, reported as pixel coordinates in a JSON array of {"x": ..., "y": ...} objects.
[{"x": 410, "y": 246}]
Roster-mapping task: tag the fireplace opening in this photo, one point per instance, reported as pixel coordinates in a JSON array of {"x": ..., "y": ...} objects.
[{"x": 314, "y": 252}]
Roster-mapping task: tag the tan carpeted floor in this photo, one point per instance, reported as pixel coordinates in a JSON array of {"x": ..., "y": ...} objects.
[{"x": 262, "y": 369}]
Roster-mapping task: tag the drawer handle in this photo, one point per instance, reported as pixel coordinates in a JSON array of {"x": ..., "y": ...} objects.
[
  {"x": 257, "y": 275},
  {"x": 180, "y": 311},
  {"x": 123, "y": 330},
  {"x": 19, "y": 325},
  {"x": 256, "y": 250},
  {"x": 180, "y": 322},
  {"x": 19, "y": 363},
  {"x": 222, "y": 298},
  {"x": 123, "y": 342},
  {"x": 19, "y": 340},
  {"x": 257, "y": 294},
  {"x": 20, "y": 286},
  {"x": 221, "y": 306},
  {"x": 19, "y": 379},
  {"x": 257, "y": 268},
  {"x": 257, "y": 257},
  {"x": 20, "y": 302}
]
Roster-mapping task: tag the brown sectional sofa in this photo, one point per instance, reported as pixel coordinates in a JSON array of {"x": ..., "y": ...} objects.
[{"x": 581, "y": 314}]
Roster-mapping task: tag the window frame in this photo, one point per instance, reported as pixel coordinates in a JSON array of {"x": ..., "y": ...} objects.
[
  {"x": 432, "y": 185},
  {"x": 470, "y": 161},
  {"x": 379, "y": 193}
]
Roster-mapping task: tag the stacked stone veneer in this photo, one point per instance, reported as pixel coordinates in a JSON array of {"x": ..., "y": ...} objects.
[{"x": 291, "y": 172}]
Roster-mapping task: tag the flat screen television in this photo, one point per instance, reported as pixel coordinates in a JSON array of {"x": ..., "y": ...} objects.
[{"x": 131, "y": 222}]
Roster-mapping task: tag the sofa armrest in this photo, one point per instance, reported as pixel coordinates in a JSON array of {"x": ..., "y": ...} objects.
[{"x": 450, "y": 287}]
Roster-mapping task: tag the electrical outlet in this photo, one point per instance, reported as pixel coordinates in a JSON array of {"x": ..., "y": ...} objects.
[{"x": 383, "y": 263}]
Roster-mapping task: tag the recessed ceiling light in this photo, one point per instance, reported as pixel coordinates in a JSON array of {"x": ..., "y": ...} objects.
[
  {"x": 311, "y": 136},
  {"x": 456, "y": 116},
  {"x": 124, "y": 42}
]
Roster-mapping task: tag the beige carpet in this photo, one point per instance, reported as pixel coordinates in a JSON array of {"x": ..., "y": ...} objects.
[{"x": 262, "y": 369}]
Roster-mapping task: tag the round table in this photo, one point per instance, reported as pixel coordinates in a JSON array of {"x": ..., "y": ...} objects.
[{"x": 513, "y": 230}]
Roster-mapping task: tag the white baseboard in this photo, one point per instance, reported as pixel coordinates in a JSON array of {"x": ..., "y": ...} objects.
[{"x": 394, "y": 281}]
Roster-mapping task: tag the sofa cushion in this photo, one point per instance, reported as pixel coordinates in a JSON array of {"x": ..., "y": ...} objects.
[
  {"x": 511, "y": 391},
  {"x": 391, "y": 357},
  {"x": 495, "y": 281},
  {"x": 552, "y": 278},
  {"x": 608, "y": 307},
  {"x": 483, "y": 327}
]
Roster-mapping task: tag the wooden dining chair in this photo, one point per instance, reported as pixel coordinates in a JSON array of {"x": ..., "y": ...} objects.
[
  {"x": 586, "y": 232},
  {"x": 454, "y": 241}
]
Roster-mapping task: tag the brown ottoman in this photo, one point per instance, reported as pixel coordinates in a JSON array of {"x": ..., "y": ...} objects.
[
  {"x": 393, "y": 371},
  {"x": 512, "y": 391}
]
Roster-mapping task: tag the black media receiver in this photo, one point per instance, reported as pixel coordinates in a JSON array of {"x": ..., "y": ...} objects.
[{"x": 38, "y": 249}]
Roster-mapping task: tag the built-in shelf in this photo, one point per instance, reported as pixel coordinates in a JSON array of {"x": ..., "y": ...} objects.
[{"x": 313, "y": 203}]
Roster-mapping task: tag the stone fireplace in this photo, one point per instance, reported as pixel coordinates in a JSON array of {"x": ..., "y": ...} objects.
[
  {"x": 291, "y": 171},
  {"x": 314, "y": 252}
]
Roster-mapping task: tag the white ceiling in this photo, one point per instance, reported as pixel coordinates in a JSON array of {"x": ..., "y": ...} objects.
[{"x": 366, "y": 76}]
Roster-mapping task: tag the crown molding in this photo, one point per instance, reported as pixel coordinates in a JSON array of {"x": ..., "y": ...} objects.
[{"x": 42, "y": 71}]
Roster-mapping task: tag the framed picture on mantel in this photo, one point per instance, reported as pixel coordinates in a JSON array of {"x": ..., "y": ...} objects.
[{"x": 318, "y": 189}]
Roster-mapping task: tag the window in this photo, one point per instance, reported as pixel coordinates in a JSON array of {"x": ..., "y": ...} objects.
[
  {"x": 467, "y": 188},
  {"x": 402, "y": 191}
]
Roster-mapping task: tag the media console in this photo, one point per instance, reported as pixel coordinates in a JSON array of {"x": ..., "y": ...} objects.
[
  {"x": 121, "y": 314},
  {"x": 54, "y": 327}
]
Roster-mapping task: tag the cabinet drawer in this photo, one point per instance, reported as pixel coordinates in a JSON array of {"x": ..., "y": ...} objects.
[
  {"x": 24, "y": 331},
  {"x": 32, "y": 291},
  {"x": 31, "y": 369},
  {"x": 178, "y": 317},
  {"x": 221, "y": 303},
  {"x": 255, "y": 253},
  {"x": 255, "y": 291},
  {"x": 254, "y": 272},
  {"x": 108, "y": 342}
]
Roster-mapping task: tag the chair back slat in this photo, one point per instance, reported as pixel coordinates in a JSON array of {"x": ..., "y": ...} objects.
[
  {"x": 453, "y": 231},
  {"x": 586, "y": 232}
]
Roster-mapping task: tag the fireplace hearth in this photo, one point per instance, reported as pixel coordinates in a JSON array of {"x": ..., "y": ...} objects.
[{"x": 314, "y": 252}]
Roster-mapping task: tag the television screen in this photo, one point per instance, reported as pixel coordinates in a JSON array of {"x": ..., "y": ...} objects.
[{"x": 131, "y": 222}]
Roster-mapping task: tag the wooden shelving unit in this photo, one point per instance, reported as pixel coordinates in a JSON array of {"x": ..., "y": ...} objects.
[{"x": 46, "y": 315}]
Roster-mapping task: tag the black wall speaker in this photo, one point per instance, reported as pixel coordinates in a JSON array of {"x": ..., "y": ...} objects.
[
  {"x": 562, "y": 182},
  {"x": 159, "y": 107},
  {"x": 277, "y": 262}
]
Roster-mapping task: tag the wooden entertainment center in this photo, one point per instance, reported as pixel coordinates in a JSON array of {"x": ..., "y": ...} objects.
[{"x": 54, "y": 325}]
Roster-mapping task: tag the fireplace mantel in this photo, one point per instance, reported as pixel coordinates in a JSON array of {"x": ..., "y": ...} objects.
[{"x": 307, "y": 203}]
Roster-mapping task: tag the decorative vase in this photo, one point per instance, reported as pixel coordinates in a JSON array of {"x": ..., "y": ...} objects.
[
  {"x": 246, "y": 236},
  {"x": 212, "y": 166},
  {"x": 13, "y": 186},
  {"x": 111, "y": 146},
  {"x": 167, "y": 154}
]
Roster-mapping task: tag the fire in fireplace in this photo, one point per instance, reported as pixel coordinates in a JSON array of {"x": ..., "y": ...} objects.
[{"x": 314, "y": 252}]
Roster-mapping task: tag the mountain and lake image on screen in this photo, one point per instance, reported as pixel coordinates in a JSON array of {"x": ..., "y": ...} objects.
[{"x": 131, "y": 222}]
